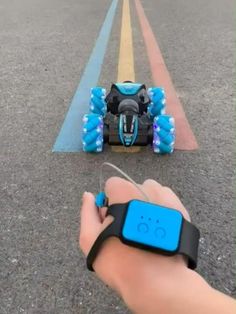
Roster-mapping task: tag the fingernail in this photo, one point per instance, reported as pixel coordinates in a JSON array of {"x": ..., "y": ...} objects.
[{"x": 84, "y": 195}]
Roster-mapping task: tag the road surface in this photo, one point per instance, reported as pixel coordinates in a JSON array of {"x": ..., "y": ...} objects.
[{"x": 44, "y": 48}]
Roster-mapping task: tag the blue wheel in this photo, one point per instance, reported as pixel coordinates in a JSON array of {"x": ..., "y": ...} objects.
[
  {"x": 163, "y": 134},
  {"x": 97, "y": 101},
  {"x": 92, "y": 133},
  {"x": 158, "y": 101}
]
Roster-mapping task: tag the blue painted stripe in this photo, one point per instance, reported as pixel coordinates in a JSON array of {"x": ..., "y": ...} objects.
[{"x": 69, "y": 138}]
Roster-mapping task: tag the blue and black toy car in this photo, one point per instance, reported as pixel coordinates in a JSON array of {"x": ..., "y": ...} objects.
[{"x": 128, "y": 115}]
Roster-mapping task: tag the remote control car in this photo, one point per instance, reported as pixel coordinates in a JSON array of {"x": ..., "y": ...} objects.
[{"x": 128, "y": 115}]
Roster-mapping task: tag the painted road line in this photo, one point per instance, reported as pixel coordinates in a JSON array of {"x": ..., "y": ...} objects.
[
  {"x": 185, "y": 139},
  {"x": 69, "y": 138},
  {"x": 126, "y": 56}
]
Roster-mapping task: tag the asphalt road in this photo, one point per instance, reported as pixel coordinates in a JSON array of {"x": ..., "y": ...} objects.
[{"x": 44, "y": 47}]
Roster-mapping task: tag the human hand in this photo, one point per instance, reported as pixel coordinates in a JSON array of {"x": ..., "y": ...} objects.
[
  {"x": 122, "y": 267},
  {"x": 148, "y": 283}
]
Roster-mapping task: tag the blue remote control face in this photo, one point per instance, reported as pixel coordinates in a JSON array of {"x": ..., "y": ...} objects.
[{"x": 153, "y": 225}]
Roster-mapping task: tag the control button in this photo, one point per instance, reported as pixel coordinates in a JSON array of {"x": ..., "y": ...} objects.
[
  {"x": 143, "y": 228},
  {"x": 160, "y": 233}
]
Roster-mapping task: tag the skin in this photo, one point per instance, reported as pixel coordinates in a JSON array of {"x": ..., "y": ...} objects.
[{"x": 148, "y": 283}]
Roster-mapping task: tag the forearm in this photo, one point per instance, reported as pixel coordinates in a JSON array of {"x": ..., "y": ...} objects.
[
  {"x": 194, "y": 295},
  {"x": 186, "y": 293}
]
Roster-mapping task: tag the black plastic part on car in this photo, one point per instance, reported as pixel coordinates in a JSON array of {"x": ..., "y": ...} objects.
[
  {"x": 111, "y": 131},
  {"x": 114, "y": 98}
]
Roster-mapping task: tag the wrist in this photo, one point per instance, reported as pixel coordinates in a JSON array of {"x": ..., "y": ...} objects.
[
  {"x": 143, "y": 279},
  {"x": 151, "y": 289},
  {"x": 163, "y": 285}
]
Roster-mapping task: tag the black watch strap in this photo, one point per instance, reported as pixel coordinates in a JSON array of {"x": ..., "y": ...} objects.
[
  {"x": 189, "y": 241},
  {"x": 188, "y": 245},
  {"x": 113, "y": 230}
]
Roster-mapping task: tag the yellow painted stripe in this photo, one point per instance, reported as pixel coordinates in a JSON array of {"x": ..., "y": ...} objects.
[{"x": 126, "y": 56}]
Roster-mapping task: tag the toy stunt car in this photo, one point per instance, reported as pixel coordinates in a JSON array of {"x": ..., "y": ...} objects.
[{"x": 129, "y": 115}]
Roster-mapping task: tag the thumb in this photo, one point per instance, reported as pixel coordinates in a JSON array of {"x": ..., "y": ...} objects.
[{"x": 90, "y": 223}]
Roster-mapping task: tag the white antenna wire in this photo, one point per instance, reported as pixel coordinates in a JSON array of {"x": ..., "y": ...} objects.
[{"x": 124, "y": 175}]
